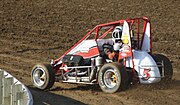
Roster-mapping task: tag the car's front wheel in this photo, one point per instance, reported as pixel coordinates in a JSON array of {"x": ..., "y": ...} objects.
[
  {"x": 113, "y": 77},
  {"x": 43, "y": 76}
]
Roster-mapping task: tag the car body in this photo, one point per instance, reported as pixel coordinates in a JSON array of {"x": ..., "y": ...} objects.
[{"x": 87, "y": 63}]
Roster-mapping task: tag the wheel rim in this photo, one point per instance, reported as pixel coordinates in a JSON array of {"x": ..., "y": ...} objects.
[
  {"x": 110, "y": 78},
  {"x": 39, "y": 77}
]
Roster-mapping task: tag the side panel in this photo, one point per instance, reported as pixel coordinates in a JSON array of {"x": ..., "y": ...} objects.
[
  {"x": 126, "y": 50},
  {"x": 125, "y": 34},
  {"x": 146, "y": 41},
  {"x": 87, "y": 49},
  {"x": 145, "y": 66}
]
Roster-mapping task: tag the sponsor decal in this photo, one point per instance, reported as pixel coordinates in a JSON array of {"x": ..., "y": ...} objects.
[{"x": 125, "y": 39}]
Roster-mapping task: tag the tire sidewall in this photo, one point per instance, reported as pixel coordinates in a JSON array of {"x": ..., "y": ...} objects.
[
  {"x": 168, "y": 70},
  {"x": 42, "y": 66},
  {"x": 101, "y": 78}
]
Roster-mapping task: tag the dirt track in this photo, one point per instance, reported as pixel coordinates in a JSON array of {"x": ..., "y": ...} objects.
[{"x": 41, "y": 30}]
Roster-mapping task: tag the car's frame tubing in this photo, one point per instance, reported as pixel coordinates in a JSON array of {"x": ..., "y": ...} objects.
[{"x": 112, "y": 26}]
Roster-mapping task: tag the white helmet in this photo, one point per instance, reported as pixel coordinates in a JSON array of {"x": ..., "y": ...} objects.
[{"x": 117, "y": 33}]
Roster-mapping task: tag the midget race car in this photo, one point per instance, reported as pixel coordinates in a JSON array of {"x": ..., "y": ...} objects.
[{"x": 113, "y": 55}]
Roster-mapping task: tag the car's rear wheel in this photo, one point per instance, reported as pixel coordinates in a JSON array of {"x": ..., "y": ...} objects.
[
  {"x": 167, "y": 66},
  {"x": 113, "y": 77},
  {"x": 43, "y": 76}
]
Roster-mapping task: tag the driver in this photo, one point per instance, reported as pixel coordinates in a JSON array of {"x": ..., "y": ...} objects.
[
  {"x": 116, "y": 36},
  {"x": 113, "y": 51}
]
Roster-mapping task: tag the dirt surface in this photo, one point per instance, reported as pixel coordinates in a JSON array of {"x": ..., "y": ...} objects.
[{"x": 34, "y": 31}]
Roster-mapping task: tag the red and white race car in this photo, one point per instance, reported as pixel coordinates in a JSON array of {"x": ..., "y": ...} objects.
[{"x": 112, "y": 55}]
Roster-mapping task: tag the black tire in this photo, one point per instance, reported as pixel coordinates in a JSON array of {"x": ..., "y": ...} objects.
[
  {"x": 168, "y": 70},
  {"x": 116, "y": 82},
  {"x": 43, "y": 76}
]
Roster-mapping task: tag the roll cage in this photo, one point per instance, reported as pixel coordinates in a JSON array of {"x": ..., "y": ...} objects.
[{"x": 139, "y": 29}]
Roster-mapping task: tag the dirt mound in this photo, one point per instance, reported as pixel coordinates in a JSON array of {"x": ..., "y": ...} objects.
[{"x": 41, "y": 30}]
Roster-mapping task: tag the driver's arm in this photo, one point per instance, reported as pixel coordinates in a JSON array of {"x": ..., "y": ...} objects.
[{"x": 111, "y": 55}]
